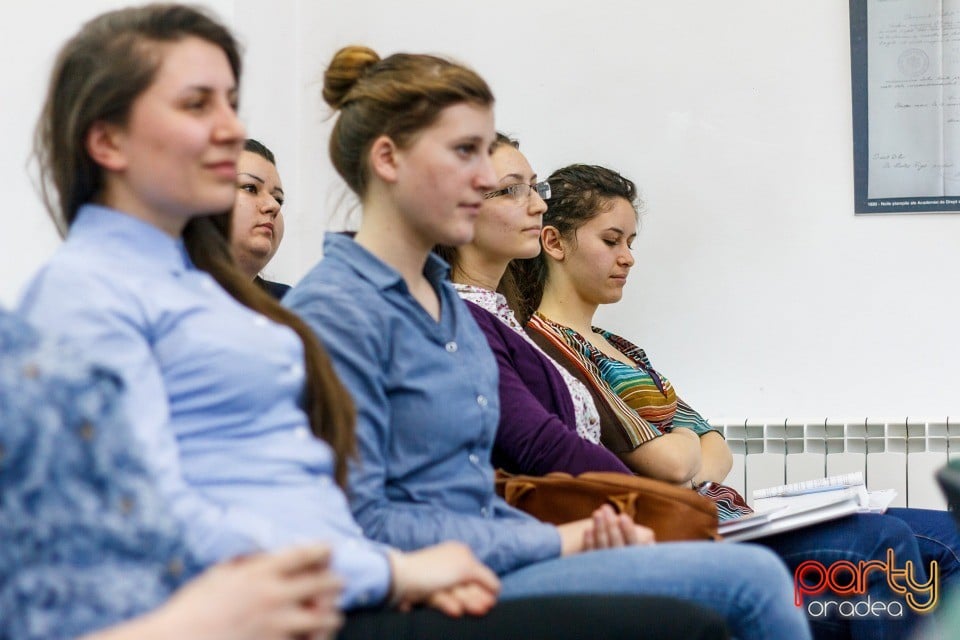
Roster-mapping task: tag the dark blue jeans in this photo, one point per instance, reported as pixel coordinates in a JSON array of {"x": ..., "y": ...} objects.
[
  {"x": 914, "y": 535},
  {"x": 937, "y": 536}
]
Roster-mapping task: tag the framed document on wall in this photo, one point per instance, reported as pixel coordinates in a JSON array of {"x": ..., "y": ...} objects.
[{"x": 905, "y": 72}]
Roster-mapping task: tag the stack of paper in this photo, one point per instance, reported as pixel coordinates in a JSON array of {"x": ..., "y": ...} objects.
[{"x": 801, "y": 504}]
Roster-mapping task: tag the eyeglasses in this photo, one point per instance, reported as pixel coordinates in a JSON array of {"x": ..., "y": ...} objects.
[{"x": 521, "y": 191}]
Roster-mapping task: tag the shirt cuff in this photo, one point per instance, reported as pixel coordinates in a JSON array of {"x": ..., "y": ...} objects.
[{"x": 365, "y": 570}]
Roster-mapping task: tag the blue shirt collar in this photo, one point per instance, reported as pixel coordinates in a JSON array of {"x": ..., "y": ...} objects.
[
  {"x": 129, "y": 238},
  {"x": 371, "y": 268}
]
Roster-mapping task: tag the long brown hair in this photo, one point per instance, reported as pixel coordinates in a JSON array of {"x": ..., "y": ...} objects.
[
  {"x": 397, "y": 96},
  {"x": 578, "y": 193},
  {"x": 97, "y": 76},
  {"x": 327, "y": 403}
]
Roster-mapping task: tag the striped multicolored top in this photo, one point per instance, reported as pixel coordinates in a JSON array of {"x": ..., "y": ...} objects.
[
  {"x": 647, "y": 392},
  {"x": 644, "y": 401}
]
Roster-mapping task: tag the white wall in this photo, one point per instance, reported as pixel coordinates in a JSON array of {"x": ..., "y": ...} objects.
[{"x": 756, "y": 288}]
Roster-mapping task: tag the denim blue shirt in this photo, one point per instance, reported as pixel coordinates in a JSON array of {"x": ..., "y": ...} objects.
[
  {"x": 213, "y": 393},
  {"x": 428, "y": 404},
  {"x": 85, "y": 539}
]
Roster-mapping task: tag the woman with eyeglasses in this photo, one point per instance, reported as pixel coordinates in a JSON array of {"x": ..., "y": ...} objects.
[
  {"x": 412, "y": 140},
  {"x": 585, "y": 260},
  {"x": 242, "y": 426},
  {"x": 548, "y": 420}
]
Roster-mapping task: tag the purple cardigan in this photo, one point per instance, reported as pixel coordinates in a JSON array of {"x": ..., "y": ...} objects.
[{"x": 537, "y": 432}]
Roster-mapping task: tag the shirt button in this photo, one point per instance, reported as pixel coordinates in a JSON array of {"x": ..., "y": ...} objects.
[
  {"x": 260, "y": 321},
  {"x": 451, "y": 347},
  {"x": 302, "y": 432},
  {"x": 86, "y": 431},
  {"x": 126, "y": 505},
  {"x": 208, "y": 284},
  {"x": 474, "y": 458},
  {"x": 482, "y": 400},
  {"x": 324, "y": 481},
  {"x": 296, "y": 369},
  {"x": 175, "y": 567}
]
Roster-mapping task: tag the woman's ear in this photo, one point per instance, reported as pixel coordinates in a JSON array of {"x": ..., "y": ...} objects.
[
  {"x": 552, "y": 243},
  {"x": 383, "y": 159},
  {"x": 102, "y": 143}
]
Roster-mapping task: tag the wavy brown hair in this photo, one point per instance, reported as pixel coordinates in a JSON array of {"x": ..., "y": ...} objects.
[
  {"x": 396, "y": 96},
  {"x": 578, "y": 193},
  {"x": 97, "y": 76}
]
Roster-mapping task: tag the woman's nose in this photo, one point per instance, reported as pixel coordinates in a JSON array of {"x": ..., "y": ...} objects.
[
  {"x": 486, "y": 179},
  {"x": 229, "y": 127},
  {"x": 537, "y": 205},
  {"x": 270, "y": 205}
]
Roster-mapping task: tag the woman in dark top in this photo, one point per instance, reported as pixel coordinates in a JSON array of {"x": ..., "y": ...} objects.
[
  {"x": 585, "y": 260},
  {"x": 256, "y": 230},
  {"x": 138, "y": 146},
  {"x": 548, "y": 420}
]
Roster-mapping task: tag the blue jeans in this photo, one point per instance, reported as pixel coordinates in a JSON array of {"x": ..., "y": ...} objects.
[
  {"x": 860, "y": 537},
  {"x": 938, "y": 539},
  {"x": 746, "y": 584}
]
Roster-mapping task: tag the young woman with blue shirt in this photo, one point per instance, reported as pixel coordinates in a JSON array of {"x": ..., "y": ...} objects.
[
  {"x": 225, "y": 391},
  {"x": 543, "y": 431},
  {"x": 86, "y": 546},
  {"x": 413, "y": 141}
]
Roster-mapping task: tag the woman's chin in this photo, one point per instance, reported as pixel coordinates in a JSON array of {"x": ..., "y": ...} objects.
[{"x": 530, "y": 251}]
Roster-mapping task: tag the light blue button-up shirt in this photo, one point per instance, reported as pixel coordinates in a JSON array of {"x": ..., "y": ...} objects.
[
  {"x": 212, "y": 392},
  {"x": 428, "y": 405}
]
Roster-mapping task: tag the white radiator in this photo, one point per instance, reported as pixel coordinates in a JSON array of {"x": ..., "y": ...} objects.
[{"x": 892, "y": 453}]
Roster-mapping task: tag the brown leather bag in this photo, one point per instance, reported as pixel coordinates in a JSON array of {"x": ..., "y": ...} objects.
[{"x": 673, "y": 513}]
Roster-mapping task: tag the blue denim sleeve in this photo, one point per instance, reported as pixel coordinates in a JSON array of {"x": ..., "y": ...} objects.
[{"x": 357, "y": 345}]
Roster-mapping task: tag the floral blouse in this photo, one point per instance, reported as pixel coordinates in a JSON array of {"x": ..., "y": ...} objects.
[{"x": 588, "y": 420}]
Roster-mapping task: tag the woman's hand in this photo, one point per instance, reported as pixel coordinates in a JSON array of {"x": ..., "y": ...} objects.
[
  {"x": 446, "y": 577},
  {"x": 277, "y": 596},
  {"x": 612, "y": 530},
  {"x": 603, "y": 530}
]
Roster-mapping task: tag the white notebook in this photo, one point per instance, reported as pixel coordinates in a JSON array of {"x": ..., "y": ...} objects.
[
  {"x": 787, "y": 513},
  {"x": 806, "y": 492},
  {"x": 812, "y": 486}
]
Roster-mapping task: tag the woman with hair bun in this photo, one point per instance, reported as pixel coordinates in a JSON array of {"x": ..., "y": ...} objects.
[
  {"x": 413, "y": 140},
  {"x": 236, "y": 416}
]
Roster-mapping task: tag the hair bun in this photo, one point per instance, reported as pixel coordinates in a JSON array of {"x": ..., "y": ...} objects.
[{"x": 347, "y": 67}]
